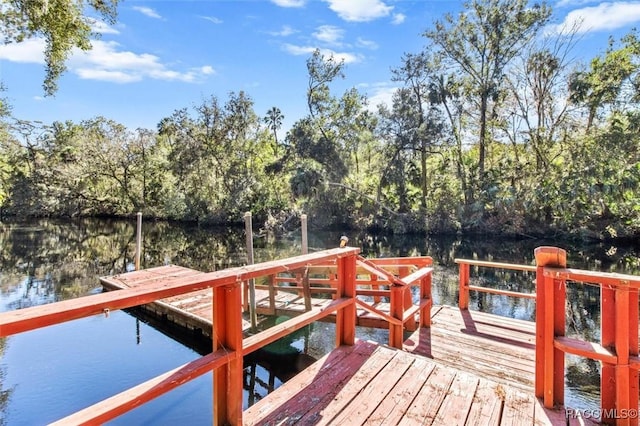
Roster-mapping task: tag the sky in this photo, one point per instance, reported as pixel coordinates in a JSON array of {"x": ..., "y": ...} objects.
[{"x": 165, "y": 55}]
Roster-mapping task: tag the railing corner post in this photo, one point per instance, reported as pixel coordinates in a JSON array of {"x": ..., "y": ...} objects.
[
  {"x": 396, "y": 311},
  {"x": 346, "y": 317},
  {"x": 550, "y": 318},
  {"x": 227, "y": 334}
]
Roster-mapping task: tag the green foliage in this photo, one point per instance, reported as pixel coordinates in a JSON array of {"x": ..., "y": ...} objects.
[
  {"x": 465, "y": 146},
  {"x": 62, "y": 23}
]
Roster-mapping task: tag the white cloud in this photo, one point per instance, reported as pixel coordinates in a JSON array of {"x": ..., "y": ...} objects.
[
  {"x": 379, "y": 93},
  {"x": 329, "y": 34},
  {"x": 29, "y": 51},
  {"x": 289, "y": 3},
  {"x": 106, "y": 63},
  {"x": 113, "y": 76},
  {"x": 103, "y": 28},
  {"x": 207, "y": 70},
  {"x": 308, "y": 50},
  {"x": 284, "y": 32},
  {"x": 212, "y": 19},
  {"x": 569, "y": 3},
  {"x": 604, "y": 17},
  {"x": 359, "y": 10},
  {"x": 368, "y": 44},
  {"x": 147, "y": 11},
  {"x": 398, "y": 18}
]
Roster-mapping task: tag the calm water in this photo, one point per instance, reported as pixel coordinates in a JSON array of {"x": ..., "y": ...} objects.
[{"x": 49, "y": 373}]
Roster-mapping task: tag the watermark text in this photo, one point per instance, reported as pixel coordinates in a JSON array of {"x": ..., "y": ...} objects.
[{"x": 598, "y": 413}]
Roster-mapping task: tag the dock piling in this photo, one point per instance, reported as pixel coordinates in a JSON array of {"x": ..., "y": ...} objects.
[{"x": 252, "y": 286}]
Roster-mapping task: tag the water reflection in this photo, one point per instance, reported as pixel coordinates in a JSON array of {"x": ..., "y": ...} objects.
[{"x": 49, "y": 260}]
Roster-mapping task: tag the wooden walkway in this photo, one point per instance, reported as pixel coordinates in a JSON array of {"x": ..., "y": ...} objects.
[
  {"x": 369, "y": 384},
  {"x": 193, "y": 311}
]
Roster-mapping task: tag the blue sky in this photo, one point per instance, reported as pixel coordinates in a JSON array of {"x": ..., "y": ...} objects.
[{"x": 165, "y": 55}]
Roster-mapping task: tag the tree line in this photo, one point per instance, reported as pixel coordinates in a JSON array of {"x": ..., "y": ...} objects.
[{"x": 493, "y": 129}]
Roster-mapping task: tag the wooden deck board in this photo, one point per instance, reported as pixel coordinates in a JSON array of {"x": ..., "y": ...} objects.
[
  {"x": 393, "y": 387},
  {"x": 465, "y": 340},
  {"x": 390, "y": 410}
]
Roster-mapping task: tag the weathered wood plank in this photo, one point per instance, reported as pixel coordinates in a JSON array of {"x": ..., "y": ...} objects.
[
  {"x": 546, "y": 417},
  {"x": 304, "y": 391},
  {"x": 377, "y": 390},
  {"x": 518, "y": 409},
  {"x": 487, "y": 404},
  {"x": 457, "y": 403},
  {"x": 425, "y": 406},
  {"x": 335, "y": 398},
  {"x": 391, "y": 410}
]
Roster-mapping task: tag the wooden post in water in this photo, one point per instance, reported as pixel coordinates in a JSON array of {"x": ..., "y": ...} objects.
[
  {"x": 138, "y": 241},
  {"x": 303, "y": 226},
  {"x": 252, "y": 286}
]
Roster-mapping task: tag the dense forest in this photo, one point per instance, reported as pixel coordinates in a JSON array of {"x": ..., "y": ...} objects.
[{"x": 494, "y": 128}]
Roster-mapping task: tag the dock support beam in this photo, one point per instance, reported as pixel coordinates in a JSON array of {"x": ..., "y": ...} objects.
[
  {"x": 248, "y": 227},
  {"x": 138, "y": 240}
]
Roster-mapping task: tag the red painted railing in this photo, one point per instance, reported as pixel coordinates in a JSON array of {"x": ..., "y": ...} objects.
[
  {"x": 229, "y": 348},
  {"x": 465, "y": 278},
  {"x": 618, "y": 346}
]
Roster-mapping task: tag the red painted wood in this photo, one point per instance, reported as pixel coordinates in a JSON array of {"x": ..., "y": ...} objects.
[
  {"x": 518, "y": 409},
  {"x": 133, "y": 398},
  {"x": 346, "y": 317},
  {"x": 463, "y": 297},
  {"x": 457, "y": 403},
  {"x": 607, "y": 339},
  {"x": 336, "y": 397},
  {"x": 548, "y": 336},
  {"x": 369, "y": 397},
  {"x": 487, "y": 407},
  {"x": 559, "y": 324},
  {"x": 396, "y": 336},
  {"x": 424, "y": 408},
  {"x": 392, "y": 408},
  {"x": 41, "y": 316}
]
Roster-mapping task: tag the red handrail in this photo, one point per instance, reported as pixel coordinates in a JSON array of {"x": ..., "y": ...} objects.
[
  {"x": 228, "y": 345},
  {"x": 618, "y": 346},
  {"x": 465, "y": 274}
]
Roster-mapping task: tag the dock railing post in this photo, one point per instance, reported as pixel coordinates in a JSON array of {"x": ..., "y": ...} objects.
[
  {"x": 463, "y": 296},
  {"x": 607, "y": 340},
  {"x": 346, "y": 287},
  {"x": 138, "y": 240},
  {"x": 396, "y": 308},
  {"x": 252, "y": 285},
  {"x": 550, "y": 322},
  {"x": 425, "y": 293},
  {"x": 227, "y": 335}
]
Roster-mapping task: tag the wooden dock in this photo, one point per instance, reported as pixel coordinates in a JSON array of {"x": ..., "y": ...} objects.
[
  {"x": 193, "y": 311},
  {"x": 469, "y": 367}
]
